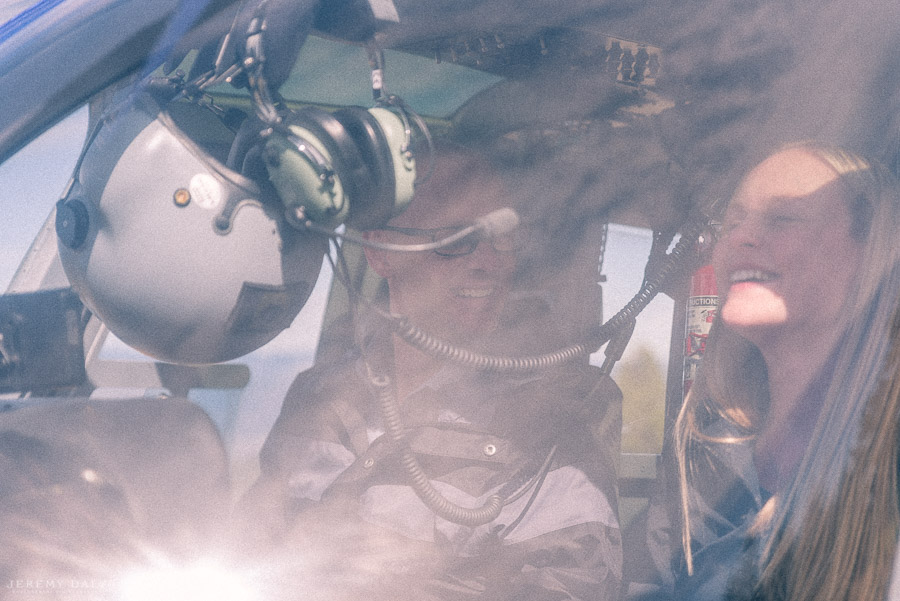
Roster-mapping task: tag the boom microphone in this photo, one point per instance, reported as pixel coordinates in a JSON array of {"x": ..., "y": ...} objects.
[
  {"x": 499, "y": 222},
  {"x": 495, "y": 223}
]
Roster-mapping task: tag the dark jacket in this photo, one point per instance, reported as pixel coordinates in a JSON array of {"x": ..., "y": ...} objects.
[{"x": 725, "y": 500}]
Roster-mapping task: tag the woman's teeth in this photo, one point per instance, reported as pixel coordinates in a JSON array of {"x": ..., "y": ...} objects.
[
  {"x": 474, "y": 292},
  {"x": 750, "y": 275}
]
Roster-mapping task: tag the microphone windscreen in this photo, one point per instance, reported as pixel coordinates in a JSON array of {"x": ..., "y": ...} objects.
[{"x": 499, "y": 222}]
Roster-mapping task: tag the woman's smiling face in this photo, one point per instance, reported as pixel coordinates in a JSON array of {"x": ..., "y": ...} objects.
[{"x": 786, "y": 257}]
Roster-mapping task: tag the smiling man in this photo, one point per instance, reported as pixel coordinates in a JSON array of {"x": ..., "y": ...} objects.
[
  {"x": 457, "y": 293},
  {"x": 337, "y": 486}
]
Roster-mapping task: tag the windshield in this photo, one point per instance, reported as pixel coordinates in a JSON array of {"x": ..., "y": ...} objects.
[{"x": 424, "y": 287}]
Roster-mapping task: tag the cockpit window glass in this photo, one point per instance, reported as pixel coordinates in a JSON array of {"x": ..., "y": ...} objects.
[
  {"x": 641, "y": 373},
  {"x": 322, "y": 266},
  {"x": 30, "y": 182},
  {"x": 434, "y": 88},
  {"x": 243, "y": 415}
]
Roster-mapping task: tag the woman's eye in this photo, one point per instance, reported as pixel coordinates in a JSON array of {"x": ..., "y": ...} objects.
[
  {"x": 729, "y": 225},
  {"x": 782, "y": 220}
]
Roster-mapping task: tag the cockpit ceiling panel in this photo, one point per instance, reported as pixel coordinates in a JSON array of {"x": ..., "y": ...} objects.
[
  {"x": 332, "y": 73},
  {"x": 550, "y": 100},
  {"x": 436, "y": 77},
  {"x": 722, "y": 83}
]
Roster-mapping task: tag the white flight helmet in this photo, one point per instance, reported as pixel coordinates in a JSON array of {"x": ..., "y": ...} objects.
[{"x": 181, "y": 257}]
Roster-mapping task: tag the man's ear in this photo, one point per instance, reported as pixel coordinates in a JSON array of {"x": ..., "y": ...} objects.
[{"x": 378, "y": 259}]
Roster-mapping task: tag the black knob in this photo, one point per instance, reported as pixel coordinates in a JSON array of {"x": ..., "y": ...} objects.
[{"x": 72, "y": 222}]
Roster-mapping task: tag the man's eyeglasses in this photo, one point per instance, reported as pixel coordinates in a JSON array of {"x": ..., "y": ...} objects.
[{"x": 505, "y": 243}]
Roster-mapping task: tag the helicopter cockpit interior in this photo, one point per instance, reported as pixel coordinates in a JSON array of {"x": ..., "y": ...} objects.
[{"x": 201, "y": 178}]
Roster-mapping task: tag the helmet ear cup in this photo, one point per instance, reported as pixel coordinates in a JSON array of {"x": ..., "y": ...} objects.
[
  {"x": 376, "y": 203},
  {"x": 315, "y": 166},
  {"x": 351, "y": 166},
  {"x": 346, "y": 160}
]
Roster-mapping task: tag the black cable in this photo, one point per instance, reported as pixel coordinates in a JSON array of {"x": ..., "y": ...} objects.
[{"x": 541, "y": 476}]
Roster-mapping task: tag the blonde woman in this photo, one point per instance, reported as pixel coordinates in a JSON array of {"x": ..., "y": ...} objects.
[{"x": 788, "y": 442}]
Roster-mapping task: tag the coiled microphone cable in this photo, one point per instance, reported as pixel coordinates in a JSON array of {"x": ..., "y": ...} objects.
[{"x": 440, "y": 349}]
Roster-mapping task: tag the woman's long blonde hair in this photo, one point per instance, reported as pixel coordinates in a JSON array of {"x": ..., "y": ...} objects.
[{"x": 832, "y": 533}]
